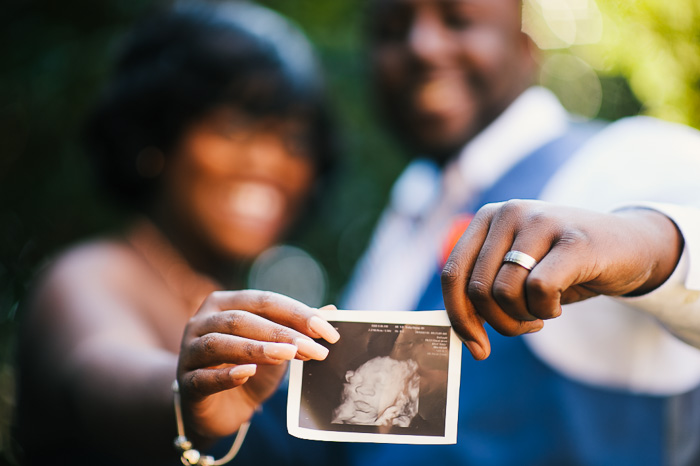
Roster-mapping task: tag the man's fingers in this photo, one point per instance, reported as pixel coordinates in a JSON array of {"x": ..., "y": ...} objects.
[
  {"x": 500, "y": 318},
  {"x": 478, "y": 286},
  {"x": 553, "y": 282},
  {"x": 455, "y": 278},
  {"x": 463, "y": 317},
  {"x": 502, "y": 302},
  {"x": 510, "y": 288}
]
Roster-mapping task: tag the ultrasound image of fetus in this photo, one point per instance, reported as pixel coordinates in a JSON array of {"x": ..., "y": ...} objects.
[{"x": 381, "y": 392}]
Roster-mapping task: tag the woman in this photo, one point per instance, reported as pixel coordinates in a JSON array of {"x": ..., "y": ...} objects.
[{"x": 213, "y": 131}]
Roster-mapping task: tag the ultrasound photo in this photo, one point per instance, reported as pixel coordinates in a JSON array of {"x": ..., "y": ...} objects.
[{"x": 392, "y": 377}]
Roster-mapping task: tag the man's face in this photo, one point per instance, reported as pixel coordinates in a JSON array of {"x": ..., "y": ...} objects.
[{"x": 444, "y": 69}]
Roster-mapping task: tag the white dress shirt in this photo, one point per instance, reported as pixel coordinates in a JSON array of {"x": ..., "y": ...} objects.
[{"x": 602, "y": 341}]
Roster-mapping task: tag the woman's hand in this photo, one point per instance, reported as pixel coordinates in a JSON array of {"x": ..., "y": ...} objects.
[
  {"x": 231, "y": 334},
  {"x": 579, "y": 254}
]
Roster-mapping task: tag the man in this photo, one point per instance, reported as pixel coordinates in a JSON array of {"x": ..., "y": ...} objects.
[{"x": 604, "y": 382}]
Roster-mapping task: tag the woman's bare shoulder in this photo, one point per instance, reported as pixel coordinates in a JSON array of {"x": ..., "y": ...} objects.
[
  {"x": 100, "y": 277},
  {"x": 98, "y": 261}
]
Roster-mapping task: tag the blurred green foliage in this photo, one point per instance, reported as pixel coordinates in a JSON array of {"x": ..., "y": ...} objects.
[
  {"x": 56, "y": 54},
  {"x": 655, "y": 44}
]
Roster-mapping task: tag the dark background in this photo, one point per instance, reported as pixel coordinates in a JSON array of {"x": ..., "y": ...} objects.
[{"x": 55, "y": 54}]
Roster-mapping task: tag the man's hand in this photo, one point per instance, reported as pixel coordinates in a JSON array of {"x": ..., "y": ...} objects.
[{"x": 579, "y": 254}]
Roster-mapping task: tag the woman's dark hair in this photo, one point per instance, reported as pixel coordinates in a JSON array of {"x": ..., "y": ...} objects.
[{"x": 181, "y": 63}]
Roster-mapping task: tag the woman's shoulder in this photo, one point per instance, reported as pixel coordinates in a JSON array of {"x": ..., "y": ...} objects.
[
  {"x": 105, "y": 259},
  {"x": 86, "y": 272},
  {"x": 95, "y": 290}
]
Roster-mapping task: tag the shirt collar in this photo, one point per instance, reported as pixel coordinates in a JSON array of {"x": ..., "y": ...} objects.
[{"x": 533, "y": 119}]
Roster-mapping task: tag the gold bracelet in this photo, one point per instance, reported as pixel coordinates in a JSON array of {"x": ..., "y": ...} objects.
[{"x": 191, "y": 457}]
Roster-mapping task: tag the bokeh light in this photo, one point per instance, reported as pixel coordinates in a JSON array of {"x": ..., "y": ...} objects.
[
  {"x": 575, "y": 83},
  {"x": 290, "y": 271},
  {"x": 556, "y": 24}
]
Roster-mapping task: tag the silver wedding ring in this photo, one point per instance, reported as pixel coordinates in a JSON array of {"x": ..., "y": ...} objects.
[{"x": 520, "y": 258}]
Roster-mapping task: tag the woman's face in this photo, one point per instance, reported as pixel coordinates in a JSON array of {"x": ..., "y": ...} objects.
[{"x": 235, "y": 184}]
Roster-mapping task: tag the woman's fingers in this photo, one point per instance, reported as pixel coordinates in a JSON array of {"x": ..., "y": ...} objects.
[
  {"x": 268, "y": 328},
  {"x": 206, "y": 382},
  {"x": 214, "y": 349},
  {"x": 248, "y": 327},
  {"x": 254, "y": 327},
  {"x": 323, "y": 329},
  {"x": 276, "y": 308},
  {"x": 235, "y": 331}
]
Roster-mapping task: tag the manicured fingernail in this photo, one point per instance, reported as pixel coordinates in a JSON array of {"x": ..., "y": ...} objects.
[
  {"x": 280, "y": 351},
  {"x": 329, "y": 307},
  {"x": 324, "y": 329},
  {"x": 311, "y": 349},
  {"x": 243, "y": 371}
]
